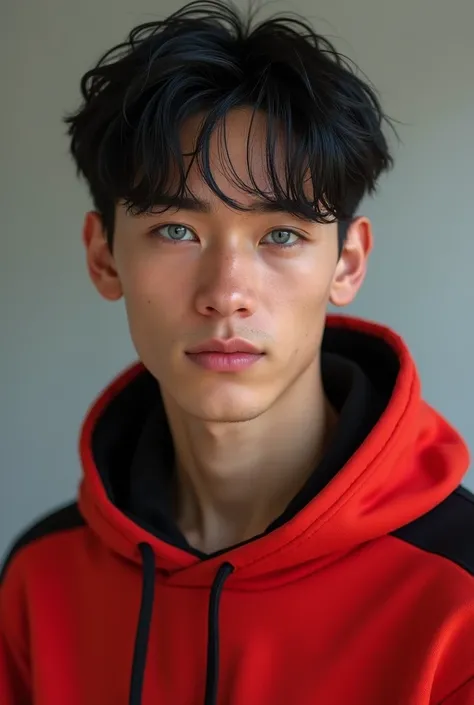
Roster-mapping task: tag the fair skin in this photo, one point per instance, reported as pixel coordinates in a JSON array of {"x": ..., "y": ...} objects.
[{"x": 245, "y": 441}]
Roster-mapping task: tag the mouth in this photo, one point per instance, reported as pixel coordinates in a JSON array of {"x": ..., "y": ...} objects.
[{"x": 218, "y": 355}]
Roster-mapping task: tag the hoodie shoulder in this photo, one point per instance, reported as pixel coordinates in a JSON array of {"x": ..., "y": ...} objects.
[
  {"x": 63, "y": 519},
  {"x": 447, "y": 530}
]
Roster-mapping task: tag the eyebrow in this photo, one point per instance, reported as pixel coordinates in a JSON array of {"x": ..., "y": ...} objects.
[{"x": 200, "y": 206}]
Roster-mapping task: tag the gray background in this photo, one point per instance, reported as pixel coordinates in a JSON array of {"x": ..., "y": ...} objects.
[{"x": 61, "y": 343}]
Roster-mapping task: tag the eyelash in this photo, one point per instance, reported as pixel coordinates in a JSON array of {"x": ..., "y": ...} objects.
[{"x": 157, "y": 232}]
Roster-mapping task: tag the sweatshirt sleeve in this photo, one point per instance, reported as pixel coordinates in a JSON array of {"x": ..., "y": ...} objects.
[
  {"x": 462, "y": 696},
  {"x": 15, "y": 682}
]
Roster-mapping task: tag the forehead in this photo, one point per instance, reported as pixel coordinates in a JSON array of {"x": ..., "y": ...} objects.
[{"x": 238, "y": 156}]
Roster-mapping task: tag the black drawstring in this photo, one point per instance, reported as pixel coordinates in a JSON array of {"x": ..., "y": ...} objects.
[
  {"x": 144, "y": 623},
  {"x": 212, "y": 669}
]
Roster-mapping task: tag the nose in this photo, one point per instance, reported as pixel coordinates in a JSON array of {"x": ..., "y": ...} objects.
[{"x": 226, "y": 284}]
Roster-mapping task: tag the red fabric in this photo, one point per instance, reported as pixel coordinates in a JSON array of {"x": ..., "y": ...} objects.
[
  {"x": 463, "y": 695},
  {"x": 327, "y": 609}
]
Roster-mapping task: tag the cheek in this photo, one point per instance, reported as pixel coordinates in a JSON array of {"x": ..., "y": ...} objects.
[
  {"x": 300, "y": 308},
  {"x": 155, "y": 301},
  {"x": 305, "y": 293},
  {"x": 148, "y": 283}
]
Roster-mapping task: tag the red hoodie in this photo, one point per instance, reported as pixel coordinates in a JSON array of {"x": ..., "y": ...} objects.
[{"x": 362, "y": 595}]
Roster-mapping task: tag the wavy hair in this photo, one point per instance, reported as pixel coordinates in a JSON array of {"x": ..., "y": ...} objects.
[{"x": 208, "y": 58}]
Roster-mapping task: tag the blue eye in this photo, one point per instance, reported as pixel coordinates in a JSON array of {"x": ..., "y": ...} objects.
[
  {"x": 176, "y": 232},
  {"x": 283, "y": 238}
]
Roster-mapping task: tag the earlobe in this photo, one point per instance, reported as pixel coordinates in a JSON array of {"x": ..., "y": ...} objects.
[
  {"x": 100, "y": 260},
  {"x": 352, "y": 265}
]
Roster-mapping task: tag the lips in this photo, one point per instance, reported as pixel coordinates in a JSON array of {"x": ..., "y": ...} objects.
[{"x": 230, "y": 346}]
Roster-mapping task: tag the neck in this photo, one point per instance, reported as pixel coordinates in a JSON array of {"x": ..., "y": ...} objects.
[{"x": 234, "y": 479}]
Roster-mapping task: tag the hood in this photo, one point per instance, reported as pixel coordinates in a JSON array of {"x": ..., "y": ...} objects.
[{"x": 407, "y": 464}]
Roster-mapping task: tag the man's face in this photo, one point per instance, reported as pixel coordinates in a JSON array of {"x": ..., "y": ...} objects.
[{"x": 190, "y": 276}]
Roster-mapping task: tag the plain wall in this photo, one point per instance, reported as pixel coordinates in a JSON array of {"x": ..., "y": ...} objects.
[{"x": 61, "y": 344}]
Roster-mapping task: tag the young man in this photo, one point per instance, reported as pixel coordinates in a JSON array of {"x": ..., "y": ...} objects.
[{"x": 270, "y": 514}]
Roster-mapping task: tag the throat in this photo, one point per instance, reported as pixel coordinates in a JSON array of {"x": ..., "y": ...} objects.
[{"x": 228, "y": 497}]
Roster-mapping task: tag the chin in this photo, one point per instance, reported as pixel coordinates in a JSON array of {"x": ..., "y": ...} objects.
[{"x": 224, "y": 406}]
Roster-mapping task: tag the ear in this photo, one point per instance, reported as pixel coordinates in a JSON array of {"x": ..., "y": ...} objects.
[
  {"x": 100, "y": 260},
  {"x": 352, "y": 265}
]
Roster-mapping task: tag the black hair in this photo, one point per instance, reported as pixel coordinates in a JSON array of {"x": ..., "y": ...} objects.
[{"x": 207, "y": 59}]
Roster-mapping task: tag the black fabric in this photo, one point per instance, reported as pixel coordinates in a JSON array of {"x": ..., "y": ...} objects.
[
  {"x": 447, "y": 530},
  {"x": 144, "y": 624},
  {"x": 212, "y": 666},
  {"x": 150, "y": 497},
  {"x": 63, "y": 519},
  {"x": 115, "y": 436}
]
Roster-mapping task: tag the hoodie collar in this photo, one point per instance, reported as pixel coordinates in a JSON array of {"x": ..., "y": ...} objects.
[{"x": 407, "y": 463}]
